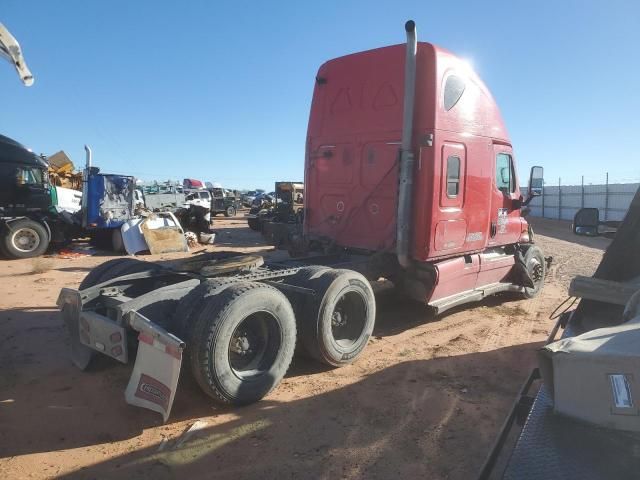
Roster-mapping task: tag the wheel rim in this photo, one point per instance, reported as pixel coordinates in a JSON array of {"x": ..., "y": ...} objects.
[
  {"x": 254, "y": 346},
  {"x": 536, "y": 270},
  {"x": 348, "y": 319},
  {"x": 25, "y": 240}
]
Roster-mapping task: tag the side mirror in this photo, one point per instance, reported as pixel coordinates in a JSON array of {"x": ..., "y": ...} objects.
[
  {"x": 586, "y": 222},
  {"x": 536, "y": 182}
]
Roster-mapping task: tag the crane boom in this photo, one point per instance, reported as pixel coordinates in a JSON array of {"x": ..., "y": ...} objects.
[{"x": 10, "y": 50}]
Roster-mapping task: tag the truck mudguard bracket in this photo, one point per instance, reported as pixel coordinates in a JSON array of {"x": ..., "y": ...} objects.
[
  {"x": 103, "y": 335},
  {"x": 89, "y": 329},
  {"x": 169, "y": 292},
  {"x": 91, "y": 293}
]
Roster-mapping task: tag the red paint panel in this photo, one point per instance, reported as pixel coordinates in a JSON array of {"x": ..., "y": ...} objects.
[
  {"x": 494, "y": 268},
  {"x": 454, "y": 276},
  {"x": 352, "y": 192},
  {"x": 334, "y": 164},
  {"x": 450, "y": 234},
  {"x": 351, "y": 169}
]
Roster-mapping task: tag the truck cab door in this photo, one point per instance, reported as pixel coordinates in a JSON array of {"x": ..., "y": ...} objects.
[
  {"x": 31, "y": 190},
  {"x": 505, "y": 226}
]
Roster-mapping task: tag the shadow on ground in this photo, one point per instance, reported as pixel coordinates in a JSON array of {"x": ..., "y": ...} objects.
[
  {"x": 418, "y": 419},
  {"x": 561, "y": 230},
  {"x": 396, "y": 313},
  {"x": 398, "y": 422}
]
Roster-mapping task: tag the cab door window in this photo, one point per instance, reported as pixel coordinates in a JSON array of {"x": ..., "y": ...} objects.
[
  {"x": 29, "y": 176},
  {"x": 505, "y": 178}
]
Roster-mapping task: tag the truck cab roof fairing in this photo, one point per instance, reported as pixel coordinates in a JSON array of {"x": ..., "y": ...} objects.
[
  {"x": 15, "y": 152},
  {"x": 354, "y": 133}
]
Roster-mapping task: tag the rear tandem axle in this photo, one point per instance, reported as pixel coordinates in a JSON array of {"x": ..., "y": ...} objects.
[{"x": 236, "y": 320}]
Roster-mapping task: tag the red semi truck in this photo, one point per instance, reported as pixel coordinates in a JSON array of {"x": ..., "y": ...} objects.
[
  {"x": 409, "y": 175},
  {"x": 447, "y": 221}
]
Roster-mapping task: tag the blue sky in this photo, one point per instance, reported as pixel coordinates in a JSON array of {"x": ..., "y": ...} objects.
[{"x": 221, "y": 90}]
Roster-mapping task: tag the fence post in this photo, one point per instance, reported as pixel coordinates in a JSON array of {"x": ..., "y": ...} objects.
[
  {"x": 606, "y": 197},
  {"x": 559, "y": 199},
  {"x": 582, "y": 193},
  {"x": 543, "y": 189}
]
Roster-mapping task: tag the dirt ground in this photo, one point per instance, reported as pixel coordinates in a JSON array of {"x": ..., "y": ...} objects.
[{"x": 425, "y": 400}]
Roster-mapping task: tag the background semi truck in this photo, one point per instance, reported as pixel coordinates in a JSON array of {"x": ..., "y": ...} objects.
[
  {"x": 32, "y": 210},
  {"x": 409, "y": 176}
]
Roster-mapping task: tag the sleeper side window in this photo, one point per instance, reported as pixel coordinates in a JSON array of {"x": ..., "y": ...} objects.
[
  {"x": 452, "y": 170},
  {"x": 453, "y": 176},
  {"x": 505, "y": 179},
  {"x": 453, "y": 89}
]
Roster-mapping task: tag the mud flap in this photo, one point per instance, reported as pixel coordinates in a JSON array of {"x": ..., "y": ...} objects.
[
  {"x": 155, "y": 375},
  {"x": 521, "y": 272}
]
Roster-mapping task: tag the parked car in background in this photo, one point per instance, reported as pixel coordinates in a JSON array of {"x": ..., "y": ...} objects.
[
  {"x": 262, "y": 198},
  {"x": 249, "y": 197},
  {"x": 223, "y": 201},
  {"x": 201, "y": 198}
]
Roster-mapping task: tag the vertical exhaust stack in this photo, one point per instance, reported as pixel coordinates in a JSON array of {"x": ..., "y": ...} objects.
[
  {"x": 405, "y": 180},
  {"x": 85, "y": 185},
  {"x": 89, "y": 156}
]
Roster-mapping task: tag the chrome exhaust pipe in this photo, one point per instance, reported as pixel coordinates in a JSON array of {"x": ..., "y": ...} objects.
[
  {"x": 85, "y": 185},
  {"x": 405, "y": 179},
  {"x": 88, "y": 156}
]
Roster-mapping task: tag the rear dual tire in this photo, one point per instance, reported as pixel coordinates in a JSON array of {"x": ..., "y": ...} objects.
[
  {"x": 241, "y": 339},
  {"x": 336, "y": 323}
]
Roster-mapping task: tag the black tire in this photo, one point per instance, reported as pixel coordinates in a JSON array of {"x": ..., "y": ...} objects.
[
  {"x": 24, "y": 238},
  {"x": 335, "y": 324},
  {"x": 117, "y": 244},
  {"x": 228, "y": 325},
  {"x": 254, "y": 224},
  {"x": 537, "y": 269},
  {"x": 230, "y": 211},
  {"x": 114, "y": 268},
  {"x": 184, "y": 317},
  {"x": 101, "y": 239},
  {"x": 305, "y": 276}
]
